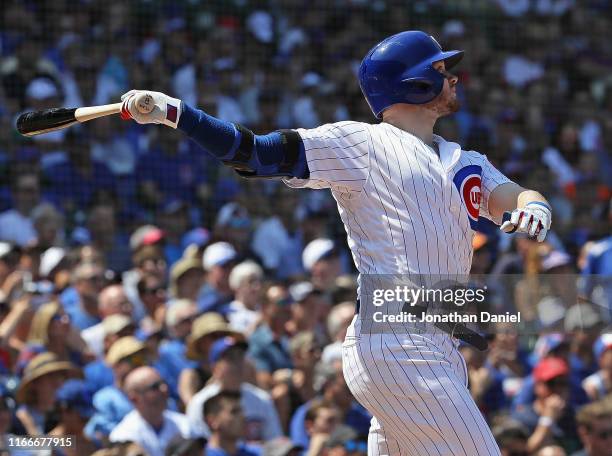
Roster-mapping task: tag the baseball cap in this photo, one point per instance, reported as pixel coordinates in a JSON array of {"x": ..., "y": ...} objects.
[
  {"x": 316, "y": 250},
  {"x": 549, "y": 368},
  {"x": 280, "y": 446},
  {"x": 198, "y": 236},
  {"x": 218, "y": 254},
  {"x": 581, "y": 316},
  {"x": 74, "y": 394},
  {"x": 145, "y": 235},
  {"x": 50, "y": 259},
  {"x": 547, "y": 343},
  {"x": 234, "y": 216},
  {"x": 221, "y": 346},
  {"x": 123, "y": 348},
  {"x": 602, "y": 344},
  {"x": 41, "y": 89},
  {"x": 177, "y": 309},
  {"x": 114, "y": 324},
  {"x": 300, "y": 291}
]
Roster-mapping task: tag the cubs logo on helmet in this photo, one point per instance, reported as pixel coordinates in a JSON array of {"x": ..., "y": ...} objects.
[{"x": 468, "y": 182}]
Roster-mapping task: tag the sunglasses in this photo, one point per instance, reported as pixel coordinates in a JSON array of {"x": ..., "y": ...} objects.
[
  {"x": 603, "y": 435},
  {"x": 155, "y": 386},
  {"x": 135, "y": 360},
  {"x": 153, "y": 290},
  {"x": 558, "y": 382}
]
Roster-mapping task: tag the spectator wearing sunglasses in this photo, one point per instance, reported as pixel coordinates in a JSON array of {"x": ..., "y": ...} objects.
[
  {"x": 550, "y": 418},
  {"x": 51, "y": 328},
  {"x": 595, "y": 428},
  {"x": 150, "y": 424},
  {"x": 152, "y": 294}
]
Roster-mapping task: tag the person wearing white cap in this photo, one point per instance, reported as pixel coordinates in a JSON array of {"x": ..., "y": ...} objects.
[
  {"x": 321, "y": 260},
  {"x": 218, "y": 260},
  {"x": 245, "y": 310}
]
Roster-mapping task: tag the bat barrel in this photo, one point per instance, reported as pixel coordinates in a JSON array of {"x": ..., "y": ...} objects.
[{"x": 33, "y": 123}]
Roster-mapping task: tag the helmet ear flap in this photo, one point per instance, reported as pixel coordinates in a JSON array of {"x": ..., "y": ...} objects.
[{"x": 419, "y": 85}]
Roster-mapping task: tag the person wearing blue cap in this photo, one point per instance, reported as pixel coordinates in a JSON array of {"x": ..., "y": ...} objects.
[
  {"x": 227, "y": 358},
  {"x": 599, "y": 384},
  {"x": 74, "y": 407}
]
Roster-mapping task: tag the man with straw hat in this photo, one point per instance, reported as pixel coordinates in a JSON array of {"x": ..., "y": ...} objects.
[
  {"x": 205, "y": 330},
  {"x": 111, "y": 402},
  {"x": 43, "y": 375}
]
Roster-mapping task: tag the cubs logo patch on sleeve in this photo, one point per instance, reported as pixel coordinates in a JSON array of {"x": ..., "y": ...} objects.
[{"x": 468, "y": 181}]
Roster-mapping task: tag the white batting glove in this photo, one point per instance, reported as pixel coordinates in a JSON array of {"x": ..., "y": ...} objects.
[
  {"x": 534, "y": 219},
  {"x": 145, "y": 107}
]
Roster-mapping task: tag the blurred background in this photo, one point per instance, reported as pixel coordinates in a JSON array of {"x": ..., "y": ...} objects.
[{"x": 123, "y": 245}]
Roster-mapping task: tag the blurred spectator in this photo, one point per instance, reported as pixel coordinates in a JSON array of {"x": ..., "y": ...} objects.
[
  {"x": 16, "y": 224},
  {"x": 294, "y": 387},
  {"x": 321, "y": 259},
  {"x": 321, "y": 421},
  {"x": 104, "y": 236},
  {"x": 172, "y": 352},
  {"x": 42, "y": 377},
  {"x": 148, "y": 259},
  {"x": 81, "y": 300},
  {"x": 112, "y": 301},
  {"x": 269, "y": 343},
  {"x": 511, "y": 436},
  {"x": 218, "y": 260},
  {"x": 52, "y": 330},
  {"x": 331, "y": 389},
  {"x": 281, "y": 446},
  {"x": 338, "y": 320},
  {"x": 152, "y": 294},
  {"x": 73, "y": 403},
  {"x": 228, "y": 374},
  {"x": 550, "y": 418},
  {"x": 595, "y": 427},
  {"x": 583, "y": 324},
  {"x": 599, "y": 384},
  {"x": 111, "y": 402},
  {"x": 344, "y": 441},
  {"x": 186, "y": 278},
  {"x": 307, "y": 307},
  {"x": 180, "y": 446},
  {"x": 224, "y": 417},
  {"x": 48, "y": 224},
  {"x": 205, "y": 330},
  {"x": 245, "y": 281},
  {"x": 150, "y": 424},
  {"x": 114, "y": 327}
]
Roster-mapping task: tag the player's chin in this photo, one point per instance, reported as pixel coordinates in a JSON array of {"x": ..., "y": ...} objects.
[{"x": 453, "y": 105}]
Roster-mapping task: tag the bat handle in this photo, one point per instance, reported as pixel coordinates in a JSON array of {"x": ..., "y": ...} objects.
[
  {"x": 93, "y": 112},
  {"x": 506, "y": 218}
]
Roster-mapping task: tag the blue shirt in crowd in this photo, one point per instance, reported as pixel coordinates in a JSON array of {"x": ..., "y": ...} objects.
[{"x": 268, "y": 354}]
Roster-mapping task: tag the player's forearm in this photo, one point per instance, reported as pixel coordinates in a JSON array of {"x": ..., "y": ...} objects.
[{"x": 266, "y": 155}]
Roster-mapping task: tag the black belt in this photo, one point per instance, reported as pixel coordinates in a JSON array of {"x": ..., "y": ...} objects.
[{"x": 457, "y": 330}]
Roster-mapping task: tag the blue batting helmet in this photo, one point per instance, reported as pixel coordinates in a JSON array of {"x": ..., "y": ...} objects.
[{"x": 399, "y": 70}]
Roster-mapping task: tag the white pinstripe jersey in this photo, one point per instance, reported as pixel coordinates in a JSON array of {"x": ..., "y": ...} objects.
[{"x": 405, "y": 209}]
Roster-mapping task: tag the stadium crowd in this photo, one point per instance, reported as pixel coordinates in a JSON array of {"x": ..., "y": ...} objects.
[{"x": 154, "y": 303}]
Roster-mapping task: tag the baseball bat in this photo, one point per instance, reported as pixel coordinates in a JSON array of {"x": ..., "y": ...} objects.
[{"x": 39, "y": 122}]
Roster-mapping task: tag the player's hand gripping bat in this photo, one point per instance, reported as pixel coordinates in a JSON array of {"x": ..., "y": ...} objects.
[{"x": 39, "y": 122}]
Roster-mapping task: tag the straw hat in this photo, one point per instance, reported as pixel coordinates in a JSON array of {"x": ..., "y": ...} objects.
[
  {"x": 41, "y": 365},
  {"x": 122, "y": 348},
  {"x": 40, "y": 323},
  {"x": 180, "y": 268},
  {"x": 205, "y": 325}
]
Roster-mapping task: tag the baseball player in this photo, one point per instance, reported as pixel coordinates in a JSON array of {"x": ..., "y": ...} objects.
[{"x": 410, "y": 202}]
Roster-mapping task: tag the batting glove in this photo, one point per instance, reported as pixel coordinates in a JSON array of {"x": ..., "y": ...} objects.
[
  {"x": 534, "y": 219},
  {"x": 166, "y": 110}
]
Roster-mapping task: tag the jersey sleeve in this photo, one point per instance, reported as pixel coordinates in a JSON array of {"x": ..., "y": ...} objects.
[
  {"x": 491, "y": 179},
  {"x": 336, "y": 155}
]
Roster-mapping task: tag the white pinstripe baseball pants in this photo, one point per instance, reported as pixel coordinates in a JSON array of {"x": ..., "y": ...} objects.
[{"x": 415, "y": 386}]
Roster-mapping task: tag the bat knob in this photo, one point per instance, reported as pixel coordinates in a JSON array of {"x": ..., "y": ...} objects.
[{"x": 145, "y": 103}]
